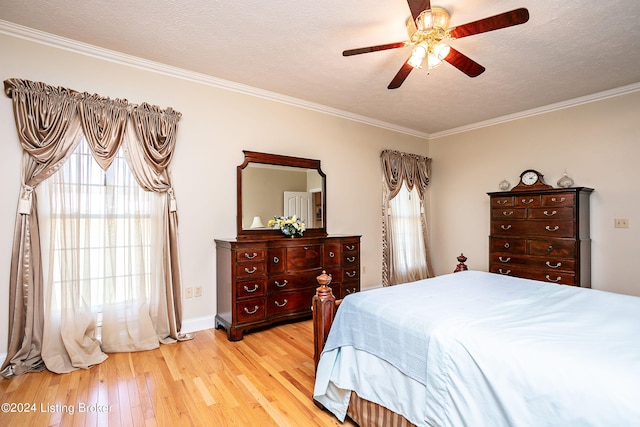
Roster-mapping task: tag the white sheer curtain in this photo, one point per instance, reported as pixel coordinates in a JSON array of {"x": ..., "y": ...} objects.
[
  {"x": 102, "y": 261},
  {"x": 408, "y": 260}
]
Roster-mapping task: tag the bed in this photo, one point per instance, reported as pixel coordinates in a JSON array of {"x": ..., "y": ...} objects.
[{"x": 478, "y": 349}]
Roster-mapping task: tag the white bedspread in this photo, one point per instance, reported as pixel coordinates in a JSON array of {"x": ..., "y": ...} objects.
[{"x": 499, "y": 352}]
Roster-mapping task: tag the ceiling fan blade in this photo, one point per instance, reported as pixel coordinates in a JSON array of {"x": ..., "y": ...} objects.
[
  {"x": 502, "y": 20},
  {"x": 463, "y": 63},
  {"x": 401, "y": 75},
  {"x": 368, "y": 49},
  {"x": 417, "y": 6}
]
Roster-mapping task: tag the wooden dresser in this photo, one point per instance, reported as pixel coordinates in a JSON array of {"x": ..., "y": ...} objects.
[
  {"x": 542, "y": 235},
  {"x": 264, "y": 281}
]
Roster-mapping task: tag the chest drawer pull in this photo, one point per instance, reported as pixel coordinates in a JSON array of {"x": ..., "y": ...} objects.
[
  {"x": 552, "y": 213},
  {"x": 558, "y": 264},
  {"x": 507, "y": 259},
  {"x": 502, "y": 202},
  {"x": 562, "y": 199},
  {"x": 351, "y": 273},
  {"x": 332, "y": 254},
  {"x": 527, "y": 201},
  {"x": 505, "y": 213},
  {"x": 505, "y": 227},
  {"x": 252, "y": 256},
  {"x": 350, "y": 247},
  {"x": 548, "y": 228},
  {"x": 254, "y": 311},
  {"x": 276, "y": 260},
  {"x": 255, "y": 288},
  {"x": 557, "y": 279},
  {"x": 504, "y": 272},
  {"x": 281, "y": 285},
  {"x": 282, "y": 304},
  {"x": 351, "y": 258},
  {"x": 253, "y": 270},
  {"x": 350, "y": 290}
]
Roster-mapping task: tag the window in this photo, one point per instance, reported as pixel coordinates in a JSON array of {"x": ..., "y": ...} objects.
[{"x": 408, "y": 257}]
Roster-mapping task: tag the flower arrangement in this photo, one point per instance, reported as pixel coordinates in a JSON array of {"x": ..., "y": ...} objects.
[{"x": 290, "y": 226}]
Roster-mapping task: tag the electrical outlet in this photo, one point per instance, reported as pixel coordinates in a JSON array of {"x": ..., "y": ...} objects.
[
  {"x": 621, "y": 223},
  {"x": 197, "y": 291},
  {"x": 188, "y": 292}
]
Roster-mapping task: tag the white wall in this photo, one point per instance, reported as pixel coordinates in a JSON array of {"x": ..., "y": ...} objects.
[
  {"x": 216, "y": 126},
  {"x": 599, "y": 146}
]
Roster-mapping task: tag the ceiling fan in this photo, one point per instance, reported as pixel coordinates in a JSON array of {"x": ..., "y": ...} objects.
[{"x": 428, "y": 32}]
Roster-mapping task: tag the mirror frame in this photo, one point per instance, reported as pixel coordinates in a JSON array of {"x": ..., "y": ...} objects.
[{"x": 278, "y": 160}]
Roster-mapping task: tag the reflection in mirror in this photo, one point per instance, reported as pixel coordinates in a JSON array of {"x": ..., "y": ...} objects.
[
  {"x": 272, "y": 185},
  {"x": 269, "y": 191}
]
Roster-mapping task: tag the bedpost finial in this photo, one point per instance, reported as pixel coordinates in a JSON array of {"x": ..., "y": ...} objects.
[
  {"x": 324, "y": 279},
  {"x": 461, "y": 264}
]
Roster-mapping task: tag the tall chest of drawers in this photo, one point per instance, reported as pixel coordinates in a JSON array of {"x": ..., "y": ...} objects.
[
  {"x": 542, "y": 235},
  {"x": 265, "y": 281}
]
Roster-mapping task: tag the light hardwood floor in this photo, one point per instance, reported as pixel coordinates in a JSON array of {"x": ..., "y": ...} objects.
[{"x": 264, "y": 380}]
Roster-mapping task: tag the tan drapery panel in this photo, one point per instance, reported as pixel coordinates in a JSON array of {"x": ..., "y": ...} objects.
[
  {"x": 50, "y": 122},
  {"x": 412, "y": 170}
]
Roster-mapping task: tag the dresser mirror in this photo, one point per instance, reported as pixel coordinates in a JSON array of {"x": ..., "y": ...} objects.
[{"x": 274, "y": 185}]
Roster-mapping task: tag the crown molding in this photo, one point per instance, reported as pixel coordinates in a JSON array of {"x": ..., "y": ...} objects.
[
  {"x": 52, "y": 40},
  {"x": 55, "y": 41},
  {"x": 599, "y": 96}
]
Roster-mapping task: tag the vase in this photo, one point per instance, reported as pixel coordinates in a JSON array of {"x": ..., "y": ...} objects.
[{"x": 565, "y": 181}]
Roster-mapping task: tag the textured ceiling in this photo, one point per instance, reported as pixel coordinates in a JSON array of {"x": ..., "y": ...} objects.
[{"x": 568, "y": 49}]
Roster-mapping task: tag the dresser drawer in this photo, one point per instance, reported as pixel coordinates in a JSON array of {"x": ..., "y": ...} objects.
[
  {"x": 250, "y": 255},
  {"x": 331, "y": 255},
  {"x": 551, "y": 213},
  {"x": 293, "y": 281},
  {"x": 290, "y": 302},
  {"x": 556, "y": 248},
  {"x": 508, "y": 213},
  {"x": 560, "y": 199},
  {"x": 304, "y": 257},
  {"x": 550, "y": 228},
  {"x": 508, "y": 246},
  {"x": 251, "y": 311},
  {"x": 526, "y": 201},
  {"x": 549, "y": 264},
  {"x": 562, "y": 278},
  {"x": 250, "y": 289},
  {"x": 251, "y": 269}
]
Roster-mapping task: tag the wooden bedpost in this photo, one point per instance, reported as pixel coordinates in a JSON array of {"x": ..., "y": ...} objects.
[
  {"x": 461, "y": 264},
  {"x": 323, "y": 306}
]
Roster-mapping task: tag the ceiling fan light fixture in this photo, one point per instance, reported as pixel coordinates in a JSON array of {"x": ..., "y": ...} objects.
[
  {"x": 419, "y": 53},
  {"x": 436, "y": 17},
  {"x": 437, "y": 53}
]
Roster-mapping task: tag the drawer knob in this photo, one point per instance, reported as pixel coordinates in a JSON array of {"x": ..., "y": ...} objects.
[
  {"x": 281, "y": 285},
  {"x": 548, "y": 228},
  {"x": 505, "y": 227},
  {"x": 560, "y": 200},
  {"x": 507, "y": 245},
  {"x": 558, "y": 264},
  {"x": 552, "y": 213},
  {"x": 332, "y": 254},
  {"x": 252, "y": 256},
  {"x": 255, "y": 288},
  {"x": 507, "y": 259},
  {"x": 527, "y": 201},
  {"x": 255, "y": 309},
  {"x": 556, "y": 280},
  {"x": 282, "y": 304},
  {"x": 276, "y": 260},
  {"x": 504, "y": 272},
  {"x": 507, "y": 213},
  {"x": 350, "y": 247},
  {"x": 549, "y": 248},
  {"x": 253, "y": 270}
]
